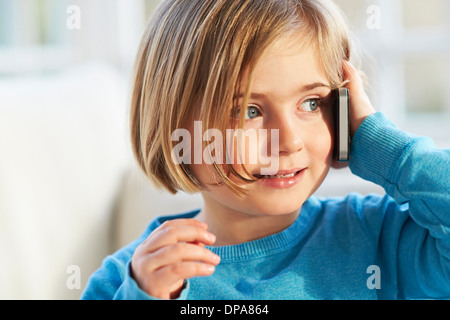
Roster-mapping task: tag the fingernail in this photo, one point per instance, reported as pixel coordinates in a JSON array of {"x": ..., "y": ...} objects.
[
  {"x": 210, "y": 237},
  {"x": 215, "y": 258}
]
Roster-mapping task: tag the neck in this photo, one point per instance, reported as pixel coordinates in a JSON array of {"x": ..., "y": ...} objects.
[{"x": 233, "y": 227}]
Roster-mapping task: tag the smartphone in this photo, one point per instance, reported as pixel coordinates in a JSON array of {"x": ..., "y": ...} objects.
[{"x": 341, "y": 127}]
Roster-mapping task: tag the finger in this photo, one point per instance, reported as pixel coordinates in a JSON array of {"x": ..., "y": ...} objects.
[
  {"x": 198, "y": 243},
  {"x": 352, "y": 76},
  {"x": 360, "y": 105},
  {"x": 355, "y": 83},
  {"x": 175, "y": 233},
  {"x": 171, "y": 274},
  {"x": 180, "y": 252},
  {"x": 348, "y": 69},
  {"x": 183, "y": 222}
]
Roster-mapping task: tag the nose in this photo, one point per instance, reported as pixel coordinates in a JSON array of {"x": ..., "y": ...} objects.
[{"x": 290, "y": 137}]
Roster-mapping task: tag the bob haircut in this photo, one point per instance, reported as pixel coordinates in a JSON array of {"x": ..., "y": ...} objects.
[{"x": 191, "y": 61}]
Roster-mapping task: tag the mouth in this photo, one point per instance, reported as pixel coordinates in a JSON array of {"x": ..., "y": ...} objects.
[{"x": 285, "y": 174}]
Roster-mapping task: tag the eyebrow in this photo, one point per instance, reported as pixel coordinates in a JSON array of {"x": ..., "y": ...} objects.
[
  {"x": 306, "y": 87},
  {"x": 309, "y": 87}
]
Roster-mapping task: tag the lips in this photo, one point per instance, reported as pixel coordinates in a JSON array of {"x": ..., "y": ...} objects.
[
  {"x": 283, "y": 179},
  {"x": 282, "y": 174}
]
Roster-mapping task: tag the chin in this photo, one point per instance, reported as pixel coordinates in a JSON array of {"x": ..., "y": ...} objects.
[
  {"x": 278, "y": 208},
  {"x": 280, "y": 202}
]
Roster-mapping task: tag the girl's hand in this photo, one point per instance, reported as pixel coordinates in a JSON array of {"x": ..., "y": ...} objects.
[
  {"x": 360, "y": 105},
  {"x": 172, "y": 253}
]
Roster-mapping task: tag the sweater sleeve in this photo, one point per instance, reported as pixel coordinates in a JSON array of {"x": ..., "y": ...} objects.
[
  {"x": 416, "y": 252},
  {"x": 113, "y": 281}
]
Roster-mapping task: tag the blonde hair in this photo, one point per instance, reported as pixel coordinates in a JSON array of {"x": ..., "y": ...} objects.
[{"x": 192, "y": 59}]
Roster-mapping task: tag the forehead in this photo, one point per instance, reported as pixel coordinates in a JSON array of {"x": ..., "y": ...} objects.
[{"x": 288, "y": 63}]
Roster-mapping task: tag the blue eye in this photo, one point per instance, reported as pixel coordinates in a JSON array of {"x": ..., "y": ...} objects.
[
  {"x": 311, "y": 105},
  {"x": 252, "y": 112}
]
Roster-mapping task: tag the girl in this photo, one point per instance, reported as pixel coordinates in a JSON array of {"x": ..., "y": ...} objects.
[{"x": 272, "y": 65}]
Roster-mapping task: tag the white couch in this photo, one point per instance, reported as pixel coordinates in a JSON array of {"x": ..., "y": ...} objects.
[
  {"x": 65, "y": 171},
  {"x": 70, "y": 192}
]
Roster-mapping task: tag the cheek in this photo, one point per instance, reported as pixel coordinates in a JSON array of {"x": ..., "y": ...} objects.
[
  {"x": 203, "y": 173},
  {"x": 320, "y": 142},
  {"x": 246, "y": 149}
]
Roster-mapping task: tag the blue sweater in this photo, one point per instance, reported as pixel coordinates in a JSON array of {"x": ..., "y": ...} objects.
[{"x": 391, "y": 247}]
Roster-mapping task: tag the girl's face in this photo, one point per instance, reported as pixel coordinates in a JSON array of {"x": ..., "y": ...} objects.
[{"x": 290, "y": 92}]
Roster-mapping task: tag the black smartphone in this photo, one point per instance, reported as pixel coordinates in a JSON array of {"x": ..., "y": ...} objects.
[{"x": 341, "y": 126}]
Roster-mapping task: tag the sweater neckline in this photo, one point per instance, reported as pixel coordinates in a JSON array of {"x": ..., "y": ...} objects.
[{"x": 273, "y": 244}]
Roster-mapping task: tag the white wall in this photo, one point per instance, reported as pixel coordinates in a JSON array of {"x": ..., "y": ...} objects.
[{"x": 62, "y": 158}]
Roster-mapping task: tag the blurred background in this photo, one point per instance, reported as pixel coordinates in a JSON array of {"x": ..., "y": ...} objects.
[{"x": 70, "y": 192}]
